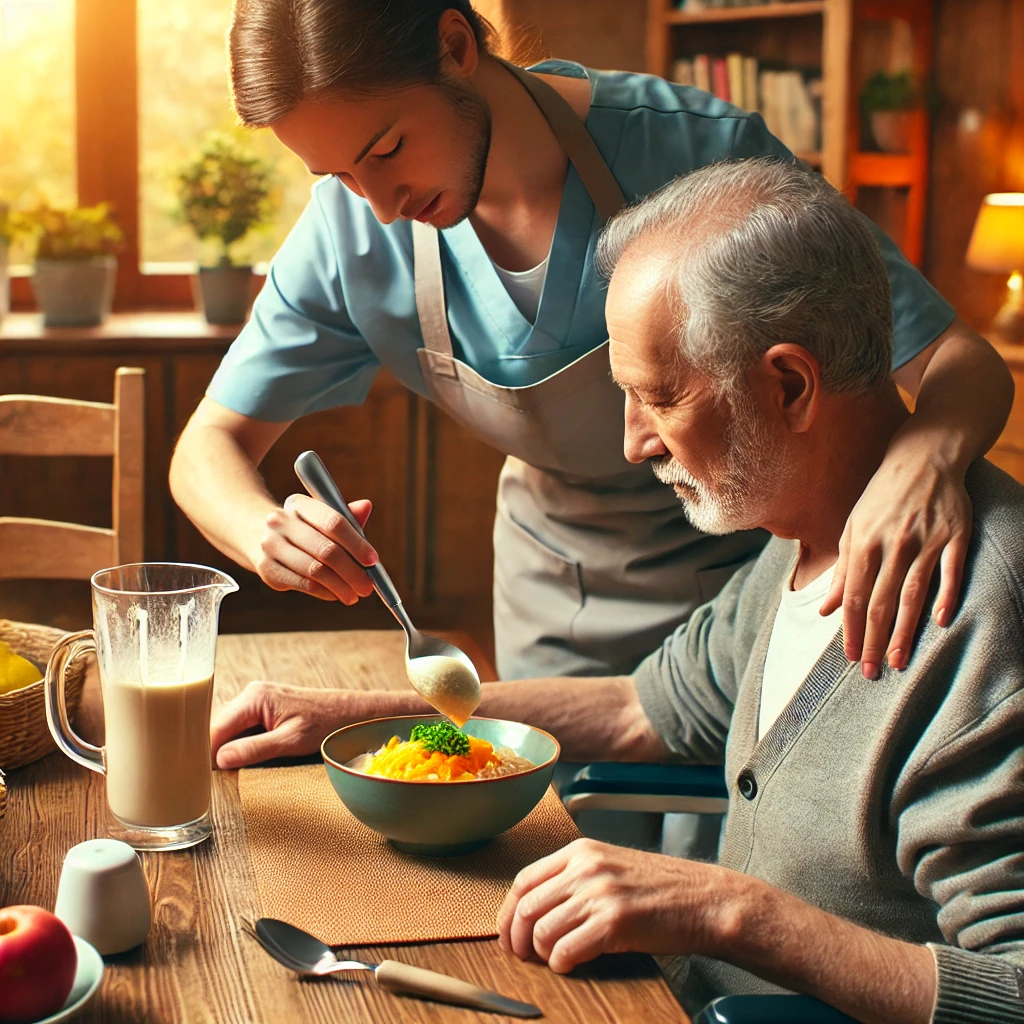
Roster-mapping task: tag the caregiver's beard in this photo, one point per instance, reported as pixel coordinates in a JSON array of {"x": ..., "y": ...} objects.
[
  {"x": 740, "y": 489},
  {"x": 472, "y": 110}
]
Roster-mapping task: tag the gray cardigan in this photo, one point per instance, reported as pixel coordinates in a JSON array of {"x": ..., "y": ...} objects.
[{"x": 897, "y": 804}]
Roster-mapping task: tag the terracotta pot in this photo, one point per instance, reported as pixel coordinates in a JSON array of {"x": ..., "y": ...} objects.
[
  {"x": 75, "y": 293},
  {"x": 223, "y": 293},
  {"x": 891, "y": 130}
]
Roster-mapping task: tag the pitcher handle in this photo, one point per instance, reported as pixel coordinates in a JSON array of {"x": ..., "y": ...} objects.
[{"x": 68, "y": 648}]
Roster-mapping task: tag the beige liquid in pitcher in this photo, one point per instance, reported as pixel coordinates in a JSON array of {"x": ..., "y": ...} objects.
[{"x": 158, "y": 750}]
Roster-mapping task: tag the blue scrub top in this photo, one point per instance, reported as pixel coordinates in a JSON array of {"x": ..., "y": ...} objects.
[{"x": 339, "y": 299}]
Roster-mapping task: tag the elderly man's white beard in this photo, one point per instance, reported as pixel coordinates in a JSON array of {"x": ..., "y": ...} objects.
[{"x": 750, "y": 476}]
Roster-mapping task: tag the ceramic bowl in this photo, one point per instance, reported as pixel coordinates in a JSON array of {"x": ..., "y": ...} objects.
[{"x": 439, "y": 818}]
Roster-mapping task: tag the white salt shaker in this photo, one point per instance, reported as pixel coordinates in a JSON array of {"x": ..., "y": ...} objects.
[{"x": 103, "y": 896}]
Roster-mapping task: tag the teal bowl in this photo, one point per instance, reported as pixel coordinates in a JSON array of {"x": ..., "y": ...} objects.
[{"x": 439, "y": 818}]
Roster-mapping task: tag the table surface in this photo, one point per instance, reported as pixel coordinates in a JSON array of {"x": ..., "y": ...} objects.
[{"x": 197, "y": 966}]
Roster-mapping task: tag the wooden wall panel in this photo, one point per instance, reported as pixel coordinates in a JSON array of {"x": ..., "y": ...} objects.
[
  {"x": 977, "y": 140},
  {"x": 599, "y": 33},
  {"x": 462, "y": 479}
]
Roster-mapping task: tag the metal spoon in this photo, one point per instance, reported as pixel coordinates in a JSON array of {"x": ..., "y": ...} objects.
[
  {"x": 320, "y": 484},
  {"x": 307, "y": 955}
]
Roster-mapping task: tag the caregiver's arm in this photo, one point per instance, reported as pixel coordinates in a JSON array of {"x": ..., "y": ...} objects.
[
  {"x": 303, "y": 545},
  {"x": 915, "y": 513},
  {"x": 593, "y": 719}
]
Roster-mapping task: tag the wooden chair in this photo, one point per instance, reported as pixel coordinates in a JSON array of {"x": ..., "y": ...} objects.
[{"x": 37, "y": 425}]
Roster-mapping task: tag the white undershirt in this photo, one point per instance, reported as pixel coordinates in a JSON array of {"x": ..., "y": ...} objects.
[
  {"x": 524, "y": 287},
  {"x": 799, "y": 637}
]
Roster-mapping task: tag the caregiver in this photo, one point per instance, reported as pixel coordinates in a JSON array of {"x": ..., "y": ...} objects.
[{"x": 451, "y": 240}]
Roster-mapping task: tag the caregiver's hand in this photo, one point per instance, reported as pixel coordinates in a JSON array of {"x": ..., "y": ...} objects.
[
  {"x": 914, "y": 515},
  {"x": 308, "y": 546},
  {"x": 295, "y": 720},
  {"x": 591, "y": 898}
]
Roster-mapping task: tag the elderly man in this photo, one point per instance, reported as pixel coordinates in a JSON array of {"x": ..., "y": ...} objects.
[{"x": 873, "y": 854}]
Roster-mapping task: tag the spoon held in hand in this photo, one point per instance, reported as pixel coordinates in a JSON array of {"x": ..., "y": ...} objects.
[{"x": 442, "y": 674}]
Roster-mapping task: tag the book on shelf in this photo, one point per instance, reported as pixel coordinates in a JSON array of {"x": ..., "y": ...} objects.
[{"x": 789, "y": 100}]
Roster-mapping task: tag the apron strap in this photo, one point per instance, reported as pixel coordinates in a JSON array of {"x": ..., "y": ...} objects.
[
  {"x": 577, "y": 142},
  {"x": 430, "y": 301},
  {"x": 581, "y": 150}
]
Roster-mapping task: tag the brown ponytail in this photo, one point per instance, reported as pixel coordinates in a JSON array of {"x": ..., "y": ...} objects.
[{"x": 283, "y": 51}]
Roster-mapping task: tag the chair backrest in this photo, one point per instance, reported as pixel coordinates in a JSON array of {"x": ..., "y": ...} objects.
[{"x": 36, "y": 425}]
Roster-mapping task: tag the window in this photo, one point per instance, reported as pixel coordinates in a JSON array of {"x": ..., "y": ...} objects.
[
  {"x": 37, "y": 115},
  {"x": 183, "y": 93},
  {"x": 103, "y": 100}
]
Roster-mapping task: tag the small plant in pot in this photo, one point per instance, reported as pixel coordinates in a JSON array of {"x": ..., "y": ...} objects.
[
  {"x": 75, "y": 266},
  {"x": 225, "y": 191},
  {"x": 889, "y": 102}
]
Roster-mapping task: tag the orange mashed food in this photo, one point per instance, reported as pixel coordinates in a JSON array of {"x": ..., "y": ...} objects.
[{"x": 411, "y": 761}]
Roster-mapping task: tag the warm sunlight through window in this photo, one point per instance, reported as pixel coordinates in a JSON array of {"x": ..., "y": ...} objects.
[
  {"x": 37, "y": 108},
  {"x": 183, "y": 93}
]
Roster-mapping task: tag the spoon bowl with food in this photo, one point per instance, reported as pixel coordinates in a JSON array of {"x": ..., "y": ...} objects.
[{"x": 441, "y": 673}]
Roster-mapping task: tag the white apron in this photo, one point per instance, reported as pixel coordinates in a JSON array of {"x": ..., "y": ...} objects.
[{"x": 595, "y": 563}]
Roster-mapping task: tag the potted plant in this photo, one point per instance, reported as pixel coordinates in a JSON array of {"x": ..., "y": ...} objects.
[
  {"x": 75, "y": 266},
  {"x": 889, "y": 102},
  {"x": 225, "y": 191}
]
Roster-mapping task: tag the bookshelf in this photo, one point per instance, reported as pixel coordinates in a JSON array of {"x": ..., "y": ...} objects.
[
  {"x": 797, "y": 34},
  {"x": 890, "y": 35},
  {"x": 752, "y": 12},
  {"x": 849, "y": 40}
]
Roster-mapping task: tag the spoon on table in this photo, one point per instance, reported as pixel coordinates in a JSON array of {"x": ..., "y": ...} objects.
[
  {"x": 441, "y": 673},
  {"x": 307, "y": 955}
]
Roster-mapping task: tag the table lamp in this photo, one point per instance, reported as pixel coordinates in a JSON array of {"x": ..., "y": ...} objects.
[{"x": 997, "y": 245}]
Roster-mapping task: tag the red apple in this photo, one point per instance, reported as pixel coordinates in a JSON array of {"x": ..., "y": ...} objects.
[{"x": 38, "y": 961}]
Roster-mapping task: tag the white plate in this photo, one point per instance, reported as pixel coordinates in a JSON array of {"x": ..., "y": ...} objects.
[{"x": 87, "y": 980}]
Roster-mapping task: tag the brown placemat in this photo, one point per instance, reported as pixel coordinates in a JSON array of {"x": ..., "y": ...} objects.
[{"x": 321, "y": 869}]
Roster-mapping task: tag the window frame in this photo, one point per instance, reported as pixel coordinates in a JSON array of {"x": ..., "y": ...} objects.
[{"x": 107, "y": 148}]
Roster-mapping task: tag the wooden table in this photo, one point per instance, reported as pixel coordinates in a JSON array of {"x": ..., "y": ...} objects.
[{"x": 197, "y": 966}]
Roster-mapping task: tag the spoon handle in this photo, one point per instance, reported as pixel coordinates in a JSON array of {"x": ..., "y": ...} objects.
[
  {"x": 421, "y": 982},
  {"x": 318, "y": 481}
]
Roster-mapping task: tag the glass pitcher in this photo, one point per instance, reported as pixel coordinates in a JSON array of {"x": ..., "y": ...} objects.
[{"x": 155, "y": 636}]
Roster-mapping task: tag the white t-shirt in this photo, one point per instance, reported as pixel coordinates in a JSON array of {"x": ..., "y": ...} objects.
[
  {"x": 799, "y": 637},
  {"x": 524, "y": 287}
]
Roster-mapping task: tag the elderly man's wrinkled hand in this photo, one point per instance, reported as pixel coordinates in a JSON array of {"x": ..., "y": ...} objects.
[
  {"x": 914, "y": 515},
  {"x": 591, "y": 898},
  {"x": 294, "y": 721}
]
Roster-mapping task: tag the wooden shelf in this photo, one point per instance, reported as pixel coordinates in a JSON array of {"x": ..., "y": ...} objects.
[
  {"x": 893, "y": 170},
  {"x": 797, "y": 9}
]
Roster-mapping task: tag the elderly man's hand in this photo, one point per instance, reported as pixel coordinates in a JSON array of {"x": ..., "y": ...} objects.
[
  {"x": 591, "y": 898},
  {"x": 295, "y": 721},
  {"x": 913, "y": 516}
]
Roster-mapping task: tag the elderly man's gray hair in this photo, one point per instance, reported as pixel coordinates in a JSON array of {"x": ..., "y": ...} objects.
[{"x": 763, "y": 252}]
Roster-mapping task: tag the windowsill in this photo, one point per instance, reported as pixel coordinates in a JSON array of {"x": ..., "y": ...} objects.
[{"x": 176, "y": 329}]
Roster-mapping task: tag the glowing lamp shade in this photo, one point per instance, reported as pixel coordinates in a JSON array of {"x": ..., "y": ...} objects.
[
  {"x": 997, "y": 245},
  {"x": 997, "y": 242}
]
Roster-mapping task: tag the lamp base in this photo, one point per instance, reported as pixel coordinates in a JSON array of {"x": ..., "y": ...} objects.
[{"x": 1009, "y": 322}]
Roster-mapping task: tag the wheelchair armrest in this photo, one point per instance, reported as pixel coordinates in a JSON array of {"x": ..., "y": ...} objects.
[
  {"x": 662, "y": 788},
  {"x": 770, "y": 1010}
]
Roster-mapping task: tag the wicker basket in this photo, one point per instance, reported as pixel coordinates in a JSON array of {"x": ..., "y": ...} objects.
[
  {"x": 24, "y": 735},
  {"x": 3, "y": 797}
]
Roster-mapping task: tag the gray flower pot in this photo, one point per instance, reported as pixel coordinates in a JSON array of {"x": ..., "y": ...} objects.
[
  {"x": 223, "y": 293},
  {"x": 75, "y": 293}
]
